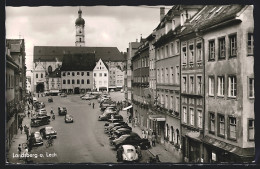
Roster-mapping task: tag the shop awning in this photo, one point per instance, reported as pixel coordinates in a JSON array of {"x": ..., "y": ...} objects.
[
  {"x": 243, "y": 152},
  {"x": 129, "y": 107},
  {"x": 157, "y": 117}
]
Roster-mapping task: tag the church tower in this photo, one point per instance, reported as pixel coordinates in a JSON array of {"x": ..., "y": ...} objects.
[{"x": 80, "y": 31}]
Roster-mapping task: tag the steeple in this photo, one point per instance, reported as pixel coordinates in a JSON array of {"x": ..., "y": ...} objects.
[{"x": 80, "y": 31}]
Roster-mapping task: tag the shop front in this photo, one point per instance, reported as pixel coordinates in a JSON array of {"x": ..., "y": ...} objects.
[{"x": 158, "y": 124}]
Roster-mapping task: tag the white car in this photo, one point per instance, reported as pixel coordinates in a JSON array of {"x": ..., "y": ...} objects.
[{"x": 128, "y": 153}]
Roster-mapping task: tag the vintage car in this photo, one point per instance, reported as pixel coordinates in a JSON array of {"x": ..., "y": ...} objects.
[
  {"x": 40, "y": 121},
  {"x": 105, "y": 104},
  {"x": 119, "y": 132},
  {"x": 88, "y": 97},
  {"x": 128, "y": 153},
  {"x": 63, "y": 95},
  {"x": 133, "y": 139},
  {"x": 62, "y": 111},
  {"x": 68, "y": 118},
  {"x": 50, "y": 99},
  {"x": 48, "y": 131},
  {"x": 111, "y": 125},
  {"x": 36, "y": 136}
]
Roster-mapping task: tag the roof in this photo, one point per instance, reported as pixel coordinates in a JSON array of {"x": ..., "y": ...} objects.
[
  {"x": 212, "y": 15},
  {"x": 78, "y": 62},
  {"x": 51, "y": 53}
]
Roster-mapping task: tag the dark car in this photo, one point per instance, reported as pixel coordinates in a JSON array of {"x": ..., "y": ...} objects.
[
  {"x": 112, "y": 130},
  {"x": 68, "y": 118},
  {"x": 113, "y": 121},
  {"x": 37, "y": 139},
  {"x": 62, "y": 111},
  {"x": 46, "y": 132},
  {"x": 132, "y": 139},
  {"x": 40, "y": 121},
  {"x": 106, "y": 104},
  {"x": 39, "y": 105},
  {"x": 50, "y": 99},
  {"x": 119, "y": 132},
  {"x": 111, "y": 125}
]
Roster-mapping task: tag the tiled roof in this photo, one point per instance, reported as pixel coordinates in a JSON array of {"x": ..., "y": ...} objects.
[
  {"x": 78, "y": 62},
  {"x": 212, "y": 15},
  {"x": 51, "y": 53}
]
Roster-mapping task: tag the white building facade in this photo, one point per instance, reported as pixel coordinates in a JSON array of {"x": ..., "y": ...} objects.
[{"x": 100, "y": 75}]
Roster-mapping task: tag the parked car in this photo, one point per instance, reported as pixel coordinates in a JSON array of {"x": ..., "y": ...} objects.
[
  {"x": 62, "y": 111},
  {"x": 113, "y": 121},
  {"x": 46, "y": 132},
  {"x": 68, "y": 118},
  {"x": 35, "y": 99},
  {"x": 106, "y": 104},
  {"x": 41, "y": 112},
  {"x": 40, "y": 121},
  {"x": 119, "y": 132},
  {"x": 110, "y": 129},
  {"x": 88, "y": 97},
  {"x": 111, "y": 125},
  {"x": 128, "y": 153},
  {"x": 47, "y": 93},
  {"x": 50, "y": 99},
  {"x": 36, "y": 136},
  {"x": 63, "y": 95},
  {"x": 39, "y": 105},
  {"x": 132, "y": 139}
]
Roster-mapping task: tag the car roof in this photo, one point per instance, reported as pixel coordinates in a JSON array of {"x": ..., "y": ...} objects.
[
  {"x": 128, "y": 146},
  {"x": 48, "y": 127}
]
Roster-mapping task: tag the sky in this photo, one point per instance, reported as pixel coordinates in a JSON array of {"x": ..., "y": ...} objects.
[{"x": 107, "y": 26}]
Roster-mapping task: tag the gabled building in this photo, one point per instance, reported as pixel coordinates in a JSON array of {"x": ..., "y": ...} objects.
[
  {"x": 100, "y": 76},
  {"x": 53, "y": 81},
  {"x": 77, "y": 73}
]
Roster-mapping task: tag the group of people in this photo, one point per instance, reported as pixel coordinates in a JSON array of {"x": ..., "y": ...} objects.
[{"x": 148, "y": 134}]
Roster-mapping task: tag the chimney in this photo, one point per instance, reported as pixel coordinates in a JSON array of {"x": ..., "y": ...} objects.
[{"x": 162, "y": 13}]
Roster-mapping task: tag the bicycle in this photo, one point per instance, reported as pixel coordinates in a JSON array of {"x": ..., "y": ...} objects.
[{"x": 49, "y": 143}]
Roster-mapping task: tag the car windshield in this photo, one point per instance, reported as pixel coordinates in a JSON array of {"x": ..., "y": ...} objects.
[
  {"x": 130, "y": 150},
  {"x": 68, "y": 116}
]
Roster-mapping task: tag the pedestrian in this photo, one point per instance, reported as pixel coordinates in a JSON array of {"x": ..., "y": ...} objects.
[
  {"x": 28, "y": 106},
  {"x": 93, "y": 105},
  {"x": 53, "y": 116},
  {"x": 153, "y": 139},
  {"x": 38, "y": 95},
  {"x": 28, "y": 114},
  {"x": 21, "y": 128},
  {"x": 19, "y": 149},
  {"x": 133, "y": 122},
  {"x": 143, "y": 133},
  {"x": 146, "y": 133},
  {"x": 127, "y": 119},
  {"x": 26, "y": 154},
  {"x": 31, "y": 114}
]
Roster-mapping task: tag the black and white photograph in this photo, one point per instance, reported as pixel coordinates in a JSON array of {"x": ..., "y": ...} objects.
[{"x": 139, "y": 84}]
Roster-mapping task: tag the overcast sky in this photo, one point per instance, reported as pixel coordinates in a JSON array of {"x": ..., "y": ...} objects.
[{"x": 104, "y": 25}]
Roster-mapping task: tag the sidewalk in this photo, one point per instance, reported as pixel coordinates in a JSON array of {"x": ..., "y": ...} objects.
[
  {"x": 165, "y": 156},
  {"x": 18, "y": 139}
]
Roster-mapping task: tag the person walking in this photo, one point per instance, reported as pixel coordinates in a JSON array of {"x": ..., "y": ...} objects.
[
  {"x": 26, "y": 130},
  {"x": 153, "y": 139},
  {"x": 19, "y": 149},
  {"x": 133, "y": 122},
  {"x": 28, "y": 113},
  {"x": 93, "y": 105},
  {"x": 21, "y": 128},
  {"x": 143, "y": 133}
]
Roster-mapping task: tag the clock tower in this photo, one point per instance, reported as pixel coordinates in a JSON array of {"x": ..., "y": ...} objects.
[{"x": 80, "y": 31}]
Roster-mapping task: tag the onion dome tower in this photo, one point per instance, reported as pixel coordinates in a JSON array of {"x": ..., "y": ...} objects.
[{"x": 80, "y": 31}]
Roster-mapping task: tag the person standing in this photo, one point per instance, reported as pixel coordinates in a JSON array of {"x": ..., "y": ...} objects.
[
  {"x": 28, "y": 113},
  {"x": 153, "y": 139},
  {"x": 19, "y": 149},
  {"x": 143, "y": 134},
  {"x": 133, "y": 122},
  {"x": 93, "y": 105},
  {"x": 26, "y": 130},
  {"x": 21, "y": 128},
  {"x": 26, "y": 154}
]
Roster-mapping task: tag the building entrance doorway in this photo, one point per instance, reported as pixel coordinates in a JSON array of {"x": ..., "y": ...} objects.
[
  {"x": 40, "y": 88},
  {"x": 76, "y": 90}
]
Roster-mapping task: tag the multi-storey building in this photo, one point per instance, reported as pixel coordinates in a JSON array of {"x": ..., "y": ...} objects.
[
  {"x": 100, "y": 76},
  {"x": 28, "y": 84},
  {"x": 141, "y": 82},
  {"x": 53, "y": 81},
  {"x": 77, "y": 72},
  {"x": 116, "y": 75}
]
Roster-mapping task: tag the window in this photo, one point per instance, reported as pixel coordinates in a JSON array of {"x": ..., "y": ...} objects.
[
  {"x": 233, "y": 45},
  {"x": 172, "y": 49},
  {"x": 171, "y": 73},
  {"x": 251, "y": 130},
  {"x": 162, "y": 80},
  {"x": 222, "y": 48},
  {"x": 49, "y": 69},
  {"x": 177, "y": 74},
  {"x": 199, "y": 84},
  {"x": 63, "y": 74},
  {"x": 177, "y": 47},
  {"x": 78, "y": 81},
  {"x": 100, "y": 74},
  {"x": 41, "y": 75},
  {"x": 105, "y": 74},
  {"x": 73, "y": 74},
  {"x": 166, "y": 75},
  {"x": 184, "y": 115},
  {"x": 171, "y": 102},
  {"x": 64, "y": 81},
  {"x": 191, "y": 84},
  {"x": 73, "y": 81},
  {"x": 211, "y": 86},
  {"x": 82, "y": 73},
  {"x": 212, "y": 123},
  {"x": 36, "y": 75},
  {"x": 68, "y": 73},
  {"x": 88, "y": 82},
  {"x": 232, "y": 127},
  {"x": 77, "y": 73},
  {"x": 221, "y": 125},
  {"x": 158, "y": 53},
  {"x": 184, "y": 81},
  {"x": 192, "y": 116},
  {"x": 199, "y": 113},
  {"x": 94, "y": 74},
  {"x": 212, "y": 50},
  {"x": 82, "y": 81},
  {"x": 184, "y": 56},
  {"x": 177, "y": 105},
  {"x": 87, "y": 73},
  {"x": 250, "y": 44},
  {"x": 166, "y": 51},
  {"x": 220, "y": 86},
  {"x": 199, "y": 52},
  {"x": 232, "y": 86},
  {"x": 166, "y": 101},
  {"x": 251, "y": 88},
  {"x": 191, "y": 53}
]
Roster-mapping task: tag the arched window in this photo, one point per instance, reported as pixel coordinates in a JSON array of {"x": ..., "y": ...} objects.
[
  {"x": 41, "y": 75},
  {"x": 178, "y": 136},
  {"x": 88, "y": 82},
  {"x": 78, "y": 81},
  {"x": 80, "y": 39},
  {"x": 64, "y": 81},
  {"x": 68, "y": 81},
  {"x": 49, "y": 69},
  {"x": 64, "y": 74},
  {"x": 166, "y": 130},
  {"x": 172, "y": 138},
  {"x": 82, "y": 81},
  {"x": 36, "y": 75}
]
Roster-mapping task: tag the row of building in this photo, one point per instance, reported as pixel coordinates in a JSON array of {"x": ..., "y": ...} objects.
[
  {"x": 192, "y": 82},
  {"x": 15, "y": 90}
]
